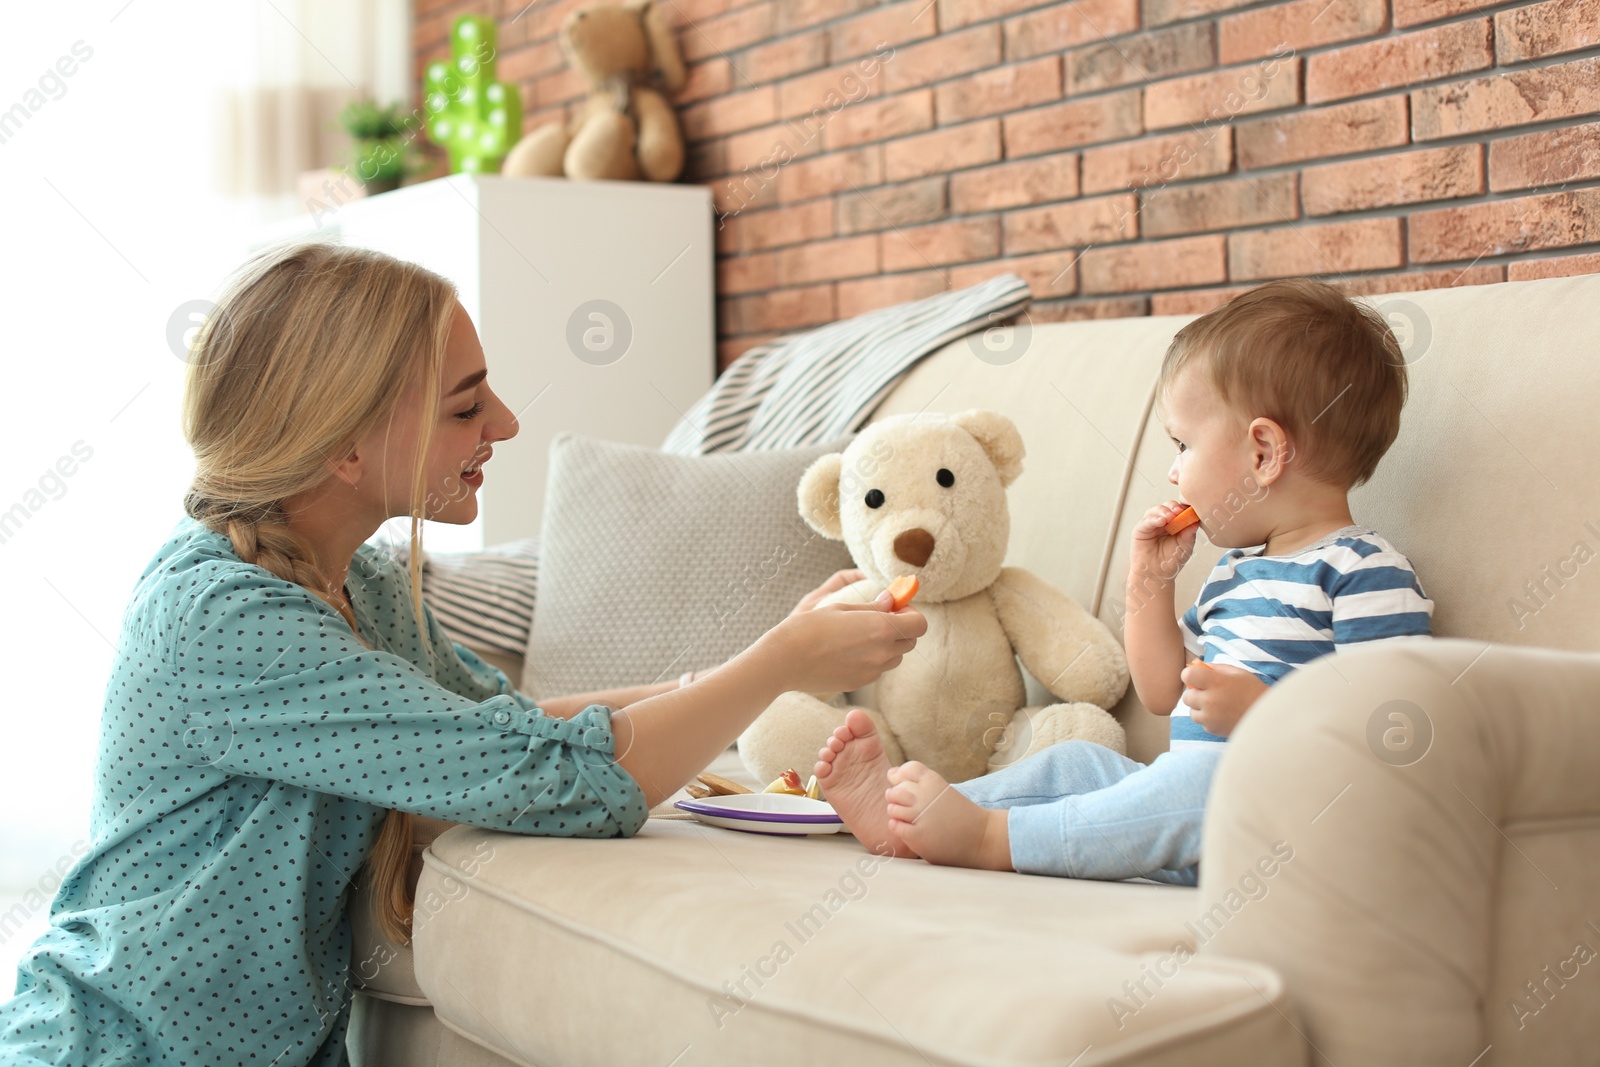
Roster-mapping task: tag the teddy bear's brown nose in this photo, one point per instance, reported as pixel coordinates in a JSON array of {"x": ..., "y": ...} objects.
[{"x": 914, "y": 546}]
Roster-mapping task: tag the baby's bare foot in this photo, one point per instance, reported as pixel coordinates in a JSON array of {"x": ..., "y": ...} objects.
[
  {"x": 854, "y": 774},
  {"x": 941, "y": 825}
]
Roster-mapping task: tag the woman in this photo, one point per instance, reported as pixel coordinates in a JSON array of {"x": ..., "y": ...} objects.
[{"x": 283, "y": 703}]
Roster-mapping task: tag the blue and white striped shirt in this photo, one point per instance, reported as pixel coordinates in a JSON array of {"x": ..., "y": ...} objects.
[{"x": 1271, "y": 614}]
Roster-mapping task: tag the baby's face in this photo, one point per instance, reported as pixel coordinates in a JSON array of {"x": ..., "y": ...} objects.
[{"x": 1215, "y": 465}]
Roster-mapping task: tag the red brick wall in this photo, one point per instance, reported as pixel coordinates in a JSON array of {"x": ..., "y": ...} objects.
[{"x": 1127, "y": 157}]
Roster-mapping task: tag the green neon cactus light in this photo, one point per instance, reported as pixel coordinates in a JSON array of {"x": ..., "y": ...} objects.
[{"x": 470, "y": 115}]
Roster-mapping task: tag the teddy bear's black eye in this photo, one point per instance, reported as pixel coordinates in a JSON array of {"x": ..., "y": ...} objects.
[
  {"x": 945, "y": 478},
  {"x": 874, "y": 498}
]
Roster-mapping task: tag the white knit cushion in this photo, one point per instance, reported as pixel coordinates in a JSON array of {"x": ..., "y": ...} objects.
[{"x": 655, "y": 564}]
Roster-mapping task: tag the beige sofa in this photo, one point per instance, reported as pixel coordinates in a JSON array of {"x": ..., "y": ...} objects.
[{"x": 1358, "y": 905}]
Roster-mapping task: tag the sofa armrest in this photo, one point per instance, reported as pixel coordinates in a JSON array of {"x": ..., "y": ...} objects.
[{"x": 1410, "y": 834}]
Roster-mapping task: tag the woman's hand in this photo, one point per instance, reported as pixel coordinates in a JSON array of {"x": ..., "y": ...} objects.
[
  {"x": 1158, "y": 556},
  {"x": 838, "y": 581},
  {"x": 1220, "y": 695},
  {"x": 840, "y": 647}
]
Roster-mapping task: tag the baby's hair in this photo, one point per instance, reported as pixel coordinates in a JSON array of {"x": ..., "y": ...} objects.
[
  {"x": 308, "y": 350},
  {"x": 1303, "y": 354}
]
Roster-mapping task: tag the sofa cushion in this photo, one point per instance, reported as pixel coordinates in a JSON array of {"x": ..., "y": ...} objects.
[
  {"x": 715, "y": 946},
  {"x": 655, "y": 564}
]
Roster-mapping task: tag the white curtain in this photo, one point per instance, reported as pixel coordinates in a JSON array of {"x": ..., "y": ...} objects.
[{"x": 276, "y": 103}]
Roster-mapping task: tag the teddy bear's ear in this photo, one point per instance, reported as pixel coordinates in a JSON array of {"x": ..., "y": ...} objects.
[
  {"x": 999, "y": 437},
  {"x": 819, "y": 496},
  {"x": 664, "y": 53}
]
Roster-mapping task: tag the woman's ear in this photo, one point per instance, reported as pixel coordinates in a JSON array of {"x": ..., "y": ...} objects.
[
  {"x": 819, "y": 496},
  {"x": 999, "y": 437}
]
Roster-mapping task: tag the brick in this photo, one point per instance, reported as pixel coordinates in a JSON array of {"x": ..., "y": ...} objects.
[
  {"x": 1077, "y": 122},
  {"x": 1551, "y": 220},
  {"x": 1511, "y": 98},
  {"x": 1550, "y": 157},
  {"x": 958, "y": 241},
  {"x": 1223, "y": 205},
  {"x": 1547, "y": 29},
  {"x": 757, "y": 231},
  {"x": 1115, "y": 307},
  {"x": 891, "y": 25},
  {"x": 955, "y": 13},
  {"x": 763, "y": 149},
  {"x": 1174, "y": 264},
  {"x": 1063, "y": 25},
  {"x": 1029, "y": 181},
  {"x": 747, "y": 274},
  {"x": 1221, "y": 95},
  {"x": 1355, "y": 127},
  {"x": 748, "y": 190},
  {"x": 1193, "y": 301},
  {"x": 1140, "y": 57},
  {"x": 685, "y": 11},
  {"x": 1404, "y": 178},
  {"x": 942, "y": 57},
  {"x": 1177, "y": 157},
  {"x": 710, "y": 78},
  {"x": 1423, "y": 55},
  {"x": 1071, "y": 225},
  {"x": 1416, "y": 12},
  {"x": 785, "y": 57},
  {"x": 868, "y": 294},
  {"x": 1331, "y": 248},
  {"x": 1412, "y": 281},
  {"x": 831, "y": 89},
  {"x": 1559, "y": 267},
  {"x": 843, "y": 257},
  {"x": 728, "y": 114},
  {"x": 729, "y": 32},
  {"x": 528, "y": 62},
  {"x": 876, "y": 120},
  {"x": 781, "y": 309},
  {"x": 831, "y": 173},
  {"x": 954, "y": 148},
  {"x": 991, "y": 92},
  {"x": 885, "y": 206},
  {"x": 1161, "y": 12},
  {"x": 799, "y": 14},
  {"x": 1049, "y": 274},
  {"x": 1301, "y": 24}
]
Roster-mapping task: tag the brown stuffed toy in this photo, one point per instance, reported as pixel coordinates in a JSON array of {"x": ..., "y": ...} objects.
[{"x": 626, "y": 129}]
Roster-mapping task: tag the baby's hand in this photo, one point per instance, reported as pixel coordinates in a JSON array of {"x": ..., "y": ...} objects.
[
  {"x": 1157, "y": 555},
  {"x": 1219, "y": 695}
]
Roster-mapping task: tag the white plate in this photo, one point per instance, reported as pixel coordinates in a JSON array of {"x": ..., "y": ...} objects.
[{"x": 766, "y": 813}]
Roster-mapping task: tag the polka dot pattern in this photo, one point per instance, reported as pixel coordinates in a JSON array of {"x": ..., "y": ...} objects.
[{"x": 249, "y": 746}]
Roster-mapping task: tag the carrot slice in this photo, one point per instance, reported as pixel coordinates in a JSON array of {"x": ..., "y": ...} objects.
[
  {"x": 902, "y": 589},
  {"x": 1182, "y": 520}
]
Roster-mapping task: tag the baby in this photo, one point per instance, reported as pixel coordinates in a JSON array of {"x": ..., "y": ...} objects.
[{"x": 1279, "y": 403}]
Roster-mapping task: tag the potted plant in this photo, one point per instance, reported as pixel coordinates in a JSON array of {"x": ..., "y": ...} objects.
[{"x": 381, "y": 152}]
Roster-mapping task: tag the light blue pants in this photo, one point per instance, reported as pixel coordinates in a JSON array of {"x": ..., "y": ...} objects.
[{"x": 1080, "y": 810}]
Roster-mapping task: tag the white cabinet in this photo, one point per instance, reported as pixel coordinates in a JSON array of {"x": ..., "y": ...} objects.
[{"x": 594, "y": 302}]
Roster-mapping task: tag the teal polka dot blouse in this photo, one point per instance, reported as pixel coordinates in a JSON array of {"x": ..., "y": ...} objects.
[{"x": 249, "y": 747}]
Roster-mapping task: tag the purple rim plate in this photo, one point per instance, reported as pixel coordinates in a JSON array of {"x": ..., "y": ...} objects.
[{"x": 815, "y": 812}]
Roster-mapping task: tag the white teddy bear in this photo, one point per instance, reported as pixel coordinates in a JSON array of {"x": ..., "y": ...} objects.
[{"x": 924, "y": 495}]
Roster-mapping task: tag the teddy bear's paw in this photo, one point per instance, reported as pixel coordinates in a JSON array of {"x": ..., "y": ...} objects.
[{"x": 1034, "y": 729}]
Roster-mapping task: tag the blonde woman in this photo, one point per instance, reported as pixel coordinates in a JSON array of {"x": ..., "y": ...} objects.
[{"x": 283, "y": 704}]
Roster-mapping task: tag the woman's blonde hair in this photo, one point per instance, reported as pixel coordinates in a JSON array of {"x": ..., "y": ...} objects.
[{"x": 308, "y": 350}]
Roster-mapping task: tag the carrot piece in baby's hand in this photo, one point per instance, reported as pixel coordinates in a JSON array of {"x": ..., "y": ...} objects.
[
  {"x": 1182, "y": 520},
  {"x": 902, "y": 589}
]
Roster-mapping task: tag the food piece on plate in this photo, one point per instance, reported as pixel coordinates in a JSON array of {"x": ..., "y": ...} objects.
[
  {"x": 902, "y": 589},
  {"x": 721, "y": 786},
  {"x": 699, "y": 792},
  {"x": 814, "y": 788},
  {"x": 1182, "y": 520},
  {"x": 787, "y": 782}
]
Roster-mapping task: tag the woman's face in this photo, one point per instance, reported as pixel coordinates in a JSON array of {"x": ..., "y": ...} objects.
[{"x": 471, "y": 419}]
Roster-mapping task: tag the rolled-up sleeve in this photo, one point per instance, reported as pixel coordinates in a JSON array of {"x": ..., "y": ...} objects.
[{"x": 275, "y": 686}]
